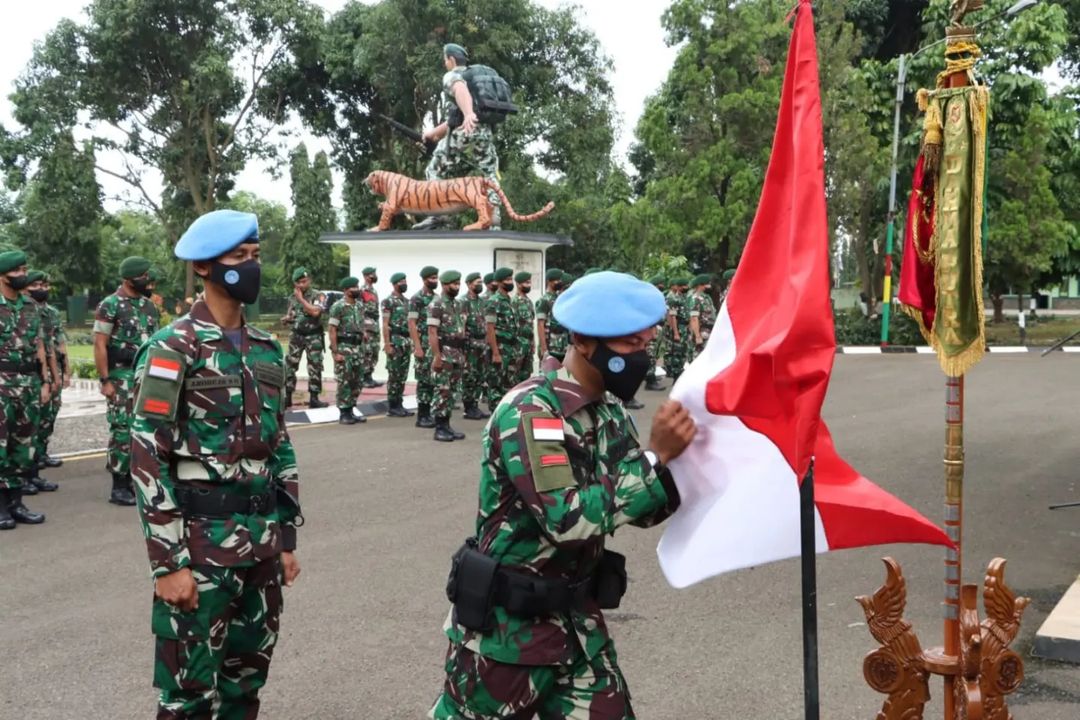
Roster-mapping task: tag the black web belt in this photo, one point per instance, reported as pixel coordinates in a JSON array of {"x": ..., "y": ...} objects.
[{"x": 216, "y": 503}]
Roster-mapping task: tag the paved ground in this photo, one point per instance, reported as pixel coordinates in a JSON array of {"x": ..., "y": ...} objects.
[{"x": 386, "y": 507}]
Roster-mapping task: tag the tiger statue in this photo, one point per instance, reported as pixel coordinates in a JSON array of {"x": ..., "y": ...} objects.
[{"x": 440, "y": 197}]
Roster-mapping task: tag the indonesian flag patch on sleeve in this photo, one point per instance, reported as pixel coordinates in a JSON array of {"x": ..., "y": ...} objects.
[
  {"x": 164, "y": 368},
  {"x": 547, "y": 429}
]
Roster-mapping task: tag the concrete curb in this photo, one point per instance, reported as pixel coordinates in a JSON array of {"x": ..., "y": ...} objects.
[
  {"x": 1059, "y": 636},
  {"x": 319, "y": 416}
]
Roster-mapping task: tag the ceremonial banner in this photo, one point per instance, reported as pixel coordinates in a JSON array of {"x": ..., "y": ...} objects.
[{"x": 756, "y": 390}]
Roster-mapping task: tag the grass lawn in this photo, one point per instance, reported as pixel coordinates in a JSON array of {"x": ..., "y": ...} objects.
[{"x": 1039, "y": 332}]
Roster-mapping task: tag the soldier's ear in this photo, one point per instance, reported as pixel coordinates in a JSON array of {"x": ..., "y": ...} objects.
[
  {"x": 584, "y": 344},
  {"x": 201, "y": 268}
]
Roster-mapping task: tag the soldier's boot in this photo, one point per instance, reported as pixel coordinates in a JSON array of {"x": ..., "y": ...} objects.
[
  {"x": 396, "y": 409},
  {"x": 457, "y": 435},
  {"x": 121, "y": 491},
  {"x": 30, "y": 489},
  {"x": 346, "y": 417},
  {"x": 473, "y": 412},
  {"x": 634, "y": 404},
  {"x": 423, "y": 416},
  {"x": 40, "y": 484},
  {"x": 360, "y": 419},
  {"x": 6, "y": 521},
  {"x": 314, "y": 402},
  {"x": 19, "y": 512},
  {"x": 432, "y": 222},
  {"x": 654, "y": 384},
  {"x": 50, "y": 461},
  {"x": 370, "y": 382},
  {"x": 442, "y": 430}
]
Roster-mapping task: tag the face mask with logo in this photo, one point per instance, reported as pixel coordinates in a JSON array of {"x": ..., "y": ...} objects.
[
  {"x": 622, "y": 373},
  {"x": 41, "y": 295},
  {"x": 18, "y": 282},
  {"x": 241, "y": 281}
]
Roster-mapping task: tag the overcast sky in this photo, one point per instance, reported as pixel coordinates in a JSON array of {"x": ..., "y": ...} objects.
[{"x": 629, "y": 32}]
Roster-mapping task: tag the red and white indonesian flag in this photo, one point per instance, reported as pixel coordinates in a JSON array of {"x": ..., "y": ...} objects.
[{"x": 757, "y": 389}]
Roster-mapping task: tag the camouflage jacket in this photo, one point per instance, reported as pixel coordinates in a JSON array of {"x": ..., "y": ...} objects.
[
  {"x": 544, "y": 311},
  {"x": 370, "y": 302},
  {"x": 548, "y": 498},
  {"x": 396, "y": 308},
  {"x": 677, "y": 306},
  {"x": 209, "y": 415},
  {"x": 526, "y": 319},
  {"x": 701, "y": 306},
  {"x": 350, "y": 323},
  {"x": 52, "y": 324},
  {"x": 500, "y": 313},
  {"x": 449, "y": 79},
  {"x": 450, "y": 316},
  {"x": 20, "y": 333},
  {"x": 127, "y": 321},
  {"x": 302, "y": 323},
  {"x": 475, "y": 323},
  {"x": 418, "y": 306}
]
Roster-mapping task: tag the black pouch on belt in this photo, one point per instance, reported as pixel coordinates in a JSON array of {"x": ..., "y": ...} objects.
[
  {"x": 471, "y": 585},
  {"x": 609, "y": 581}
]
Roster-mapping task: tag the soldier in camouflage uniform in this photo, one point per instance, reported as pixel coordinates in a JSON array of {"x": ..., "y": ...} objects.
[
  {"x": 490, "y": 287},
  {"x": 448, "y": 339},
  {"x": 370, "y": 301},
  {"x": 397, "y": 345},
  {"x": 305, "y": 316},
  {"x": 702, "y": 313},
  {"x": 526, "y": 322},
  {"x": 217, "y": 483},
  {"x": 52, "y": 333},
  {"x": 678, "y": 337},
  {"x": 562, "y": 469},
  {"x": 729, "y": 275},
  {"x": 656, "y": 344},
  {"x": 418, "y": 306},
  {"x": 347, "y": 326},
  {"x": 465, "y": 150},
  {"x": 551, "y": 335},
  {"x": 24, "y": 387},
  {"x": 502, "y": 337},
  {"x": 476, "y": 356},
  {"x": 123, "y": 322}
]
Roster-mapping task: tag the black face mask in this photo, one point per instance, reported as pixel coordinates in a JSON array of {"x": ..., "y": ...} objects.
[
  {"x": 40, "y": 295},
  {"x": 526, "y": 289},
  {"x": 141, "y": 285},
  {"x": 354, "y": 294},
  {"x": 241, "y": 281},
  {"x": 556, "y": 287},
  {"x": 508, "y": 287},
  {"x": 401, "y": 288},
  {"x": 372, "y": 280},
  {"x": 451, "y": 292},
  {"x": 623, "y": 374},
  {"x": 431, "y": 284},
  {"x": 475, "y": 288},
  {"x": 493, "y": 288},
  {"x": 18, "y": 282}
]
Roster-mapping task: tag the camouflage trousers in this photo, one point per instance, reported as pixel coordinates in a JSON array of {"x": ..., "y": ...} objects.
[
  {"x": 397, "y": 367},
  {"x": 476, "y": 365},
  {"x": 677, "y": 355},
  {"x": 298, "y": 345},
  {"x": 350, "y": 377},
  {"x": 654, "y": 349},
  {"x": 460, "y": 155},
  {"x": 500, "y": 377},
  {"x": 118, "y": 415},
  {"x": 370, "y": 350},
  {"x": 18, "y": 423},
  {"x": 425, "y": 388},
  {"x": 557, "y": 345},
  {"x": 219, "y": 653},
  {"x": 447, "y": 381},
  {"x": 478, "y": 688},
  {"x": 47, "y": 423},
  {"x": 524, "y": 365}
]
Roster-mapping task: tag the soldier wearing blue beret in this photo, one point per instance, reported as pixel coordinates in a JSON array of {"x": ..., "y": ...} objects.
[
  {"x": 216, "y": 482},
  {"x": 562, "y": 470}
]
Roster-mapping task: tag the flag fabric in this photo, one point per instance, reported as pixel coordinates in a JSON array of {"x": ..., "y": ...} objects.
[
  {"x": 164, "y": 368},
  {"x": 756, "y": 390},
  {"x": 918, "y": 295}
]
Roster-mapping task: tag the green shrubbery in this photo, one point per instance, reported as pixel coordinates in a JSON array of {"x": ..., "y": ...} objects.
[{"x": 853, "y": 328}]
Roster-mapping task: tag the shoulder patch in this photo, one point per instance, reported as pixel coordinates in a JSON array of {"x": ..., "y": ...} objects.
[
  {"x": 548, "y": 458},
  {"x": 159, "y": 389}
]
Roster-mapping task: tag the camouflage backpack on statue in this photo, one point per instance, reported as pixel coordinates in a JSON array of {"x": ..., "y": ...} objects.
[{"x": 491, "y": 94}]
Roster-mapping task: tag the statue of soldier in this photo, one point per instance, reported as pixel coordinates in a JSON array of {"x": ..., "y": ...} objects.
[
  {"x": 397, "y": 345},
  {"x": 466, "y": 146},
  {"x": 217, "y": 483},
  {"x": 476, "y": 356}
]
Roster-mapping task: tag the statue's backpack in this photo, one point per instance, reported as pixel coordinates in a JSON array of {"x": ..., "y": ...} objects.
[{"x": 491, "y": 94}]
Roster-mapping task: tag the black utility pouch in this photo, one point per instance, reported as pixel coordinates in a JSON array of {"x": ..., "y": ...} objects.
[
  {"x": 610, "y": 580},
  {"x": 471, "y": 585}
]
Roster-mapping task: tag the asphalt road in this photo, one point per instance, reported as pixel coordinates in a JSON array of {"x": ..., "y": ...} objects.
[{"x": 386, "y": 507}]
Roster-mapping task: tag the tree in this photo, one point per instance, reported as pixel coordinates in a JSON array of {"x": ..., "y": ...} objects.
[
  {"x": 313, "y": 214},
  {"x": 62, "y": 216},
  {"x": 273, "y": 229}
]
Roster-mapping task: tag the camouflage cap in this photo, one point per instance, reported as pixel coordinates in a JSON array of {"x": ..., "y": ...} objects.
[
  {"x": 553, "y": 274},
  {"x": 450, "y": 276},
  {"x": 427, "y": 271},
  {"x": 396, "y": 278},
  {"x": 489, "y": 278},
  {"x": 299, "y": 273},
  {"x": 133, "y": 267},
  {"x": 33, "y": 276},
  {"x": 503, "y": 273},
  {"x": 472, "y": 277},
  {"x": 12, "y": 260},
  {"x": 523, "y": 276},
  {"x": 349, "y": 282}
]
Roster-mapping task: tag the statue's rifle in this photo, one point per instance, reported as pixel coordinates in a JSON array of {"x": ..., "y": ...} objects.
[
  {"x": 1060, "y": 343},
  {"x": 405, "y": 130}
]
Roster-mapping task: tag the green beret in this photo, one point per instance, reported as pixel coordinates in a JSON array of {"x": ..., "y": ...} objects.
[
  {"x": 453, "y": 49},
  {"x": 396, "y": 278},
  {"x": 12, "y": 260},
  {"x": 471, "y": 277},
  {"x": 349, "y": 282},
  {"x": 133, "y": 267},
  {"x": 657, "y": 280},
  {"x": 728, "y": 274},
  {"x": 298, "y": 274},
  {"x": 702, "y": 279},
  {"x": 489, "y": 278},
  {"x": 33, "y": 276},
  {"x": 523, "y": 276},
  {"x": 368, "y": 271},
  {"x": 553, "y": 274},
  {"x": 681, "y": 280},
  {"x": 593, "y": 270},
  {"x": 567, "y": 278},
  {"x": 155, "y": 275},
  {"x": 503, "y": 273},
  {"x": 428, "y": 270},
  {"x": 450, "y": 276}
]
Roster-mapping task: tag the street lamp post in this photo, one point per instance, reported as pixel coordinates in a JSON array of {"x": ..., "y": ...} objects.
[{"x": 890, "y": 231}]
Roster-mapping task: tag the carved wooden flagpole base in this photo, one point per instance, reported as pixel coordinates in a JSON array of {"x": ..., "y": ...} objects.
[{"x": 984, "y": 673}]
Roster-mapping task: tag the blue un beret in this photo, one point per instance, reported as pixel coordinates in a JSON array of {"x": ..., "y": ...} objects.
[
  {"x": 216, "y": 233},
  {"x": 609, "y": 304}
]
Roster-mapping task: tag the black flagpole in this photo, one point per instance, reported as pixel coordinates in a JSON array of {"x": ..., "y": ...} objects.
[{"x": 809, "y": 596}]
